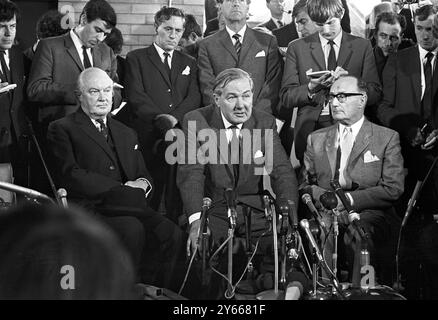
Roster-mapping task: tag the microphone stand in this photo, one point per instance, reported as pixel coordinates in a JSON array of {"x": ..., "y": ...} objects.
[
  {"x": 40, "y": 154},
  {"x": 247, "y": 214},
  {"x": 204, "y": 241},
  {"x": 230, "y": 260}
]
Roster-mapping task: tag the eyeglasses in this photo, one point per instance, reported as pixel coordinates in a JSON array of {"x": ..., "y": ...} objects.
[{"x": 342, "y": 97}]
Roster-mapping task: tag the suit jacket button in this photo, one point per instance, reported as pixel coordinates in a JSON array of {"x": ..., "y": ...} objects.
[
  {"x": 112, "y": 168},
  {"x": 168, "y": 90},
  {"x": 170, "y": 105}
]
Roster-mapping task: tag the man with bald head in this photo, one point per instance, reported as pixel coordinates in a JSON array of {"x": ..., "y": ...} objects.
[
  {"x": 98, "y": 161},
  {"x": 363, "y": 157}
]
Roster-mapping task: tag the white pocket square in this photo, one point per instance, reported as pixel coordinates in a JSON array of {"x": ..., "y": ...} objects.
[
  {"x": 186, "y": 71},
  {"x": 136, "y": 147},
  {"x": 258, "y": 154},
  {"x": 368, "y": 157},
  {"x": 261, "y": 54}
]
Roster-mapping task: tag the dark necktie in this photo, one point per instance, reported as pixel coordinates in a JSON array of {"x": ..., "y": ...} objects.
[
  {"x": 280, "y": 24},
  {"x": 426, "y": 103},
  {"x": 166, "y": 63},
  {"x": 87, "y": 63},
  {"x": 331, "y": 62},
  {"x": 103, "y": 128},
  {"x": 237, "y": 44},
  {"x": 234, "y": 147},
  {"x": 5, "y": 74}
]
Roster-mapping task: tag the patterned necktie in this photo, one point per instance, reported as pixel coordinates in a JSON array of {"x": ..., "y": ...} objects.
[
  {"x": 280, "y": 24},
  {"x": 6, "y": 73},
  {"x": 87, "y": 63},
  {"x": 237, "y": 44},
  {"x": 426, "y": 102},
  {"x": 331, "y": 62},
  {"x": 103, "y": 128},
  {"x": 234, "y": 148},
  {"x": 346, "y": 145},
  {"x": 166, "y": 63}
]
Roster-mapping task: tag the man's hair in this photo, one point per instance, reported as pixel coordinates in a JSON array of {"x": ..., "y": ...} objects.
[
  {"x": 228, "y": 75},
  {"x": 391, "y": 18},
  {"x": 190, "y": 26},
  {"x": 300, "y": 6},
  {"x": 165, "y": 13},
  {"x": 49, "y": 25},
  {"x": 362, "y": 86},
  {"x": 320, "y": 11},
  {"x": 115, "y": 40},
  {"x": 8, "y": 10},
  {"x": 80, "y": 83},
  {"x": 423, "y": 12},
  {"x": 100, "y": 9}
]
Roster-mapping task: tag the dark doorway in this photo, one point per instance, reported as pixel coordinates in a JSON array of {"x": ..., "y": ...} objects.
[{"x": 31, "y": 10}]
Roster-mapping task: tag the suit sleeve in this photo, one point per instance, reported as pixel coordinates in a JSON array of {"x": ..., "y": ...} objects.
[
  {"x": 42, "y": 87},
  {"x": 140, "y": 102},
  {"x": 283, "y": 178},
  {"x": 268, "y": 99},
  {"x": 193, "y": 98},
  {"x": 69, "y": 174},
  {"x": 206, "y": 75},
  {"x": 390, "y": 186},
  {"x": 117, "y": 98},
  {"x": 293, "y": 93},
  {"x": 371, "y": 77},
  {"x": 190, "y": 174}
]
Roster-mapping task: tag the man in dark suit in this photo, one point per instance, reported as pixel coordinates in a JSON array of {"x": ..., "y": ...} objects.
[
  {"x": 58, "y": 62},
  {"x": 241, "y": 47},
  {"x": 276, "y": 7},
  {"x": 365, "y": 158},
  {"x": 222, "y": 163},
  {"x": 162, "y": 86},
  {"x": 98, "y": 161},
  {"x": 330, "y": 49},
  {"x": 12, "y": 116}
]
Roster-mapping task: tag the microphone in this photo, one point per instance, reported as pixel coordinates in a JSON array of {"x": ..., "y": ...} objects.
[
  {"x": 230, "y": 198},
  {"x": 341, "y": 194},
  {"x": 206, "y": 203},
  {"x": 293, "y": 214},
  {"x": 297, "y": 285},
  {"x": 287, "y": 11},
  {"x": 267, "y": 204},
  {"x": 411, "y": 203},
  {"x": 329, "y": 200},
  {"x": 22, "y": 190},
  {"x": 307, "y": 199},
  {"x": 62, "y": 196},
  {"x": 305, "y": 225}
]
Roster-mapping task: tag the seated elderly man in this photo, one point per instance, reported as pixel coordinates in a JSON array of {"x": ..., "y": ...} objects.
[
  {"x": 365, "y": 158},
  {"x": 241, "y": 142},
  {"x": 98, "y": 161}
]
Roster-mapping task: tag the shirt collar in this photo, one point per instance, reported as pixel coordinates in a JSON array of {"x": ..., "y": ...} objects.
[
  {"x": 336, "y": 40},
  {"x": 228, "y": 124},
  {"x": 424, "y": 52},
  {"x": 354, "y": 127},
  {"x": 96, "y": 124},
  {"x": 241, "y": 32},
  {"x": 76, "y": 40},
  {"x": 161, "y": 52}
]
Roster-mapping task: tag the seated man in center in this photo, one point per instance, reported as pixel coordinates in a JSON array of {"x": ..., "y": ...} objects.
[
  {"x": 366, "y": 161},
  {"x": 241, "y": 142},
  {"x": 98, "y": 161}
]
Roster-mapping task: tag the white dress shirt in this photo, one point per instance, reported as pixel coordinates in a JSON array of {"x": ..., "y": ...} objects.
[
  {"x": 6, "y": 60},
  {"x": 423, "y": 60},
  {"x": 161, "y": 54},
  {"x": 241, "y": 33},
  {"x": 78, "y": 45}
]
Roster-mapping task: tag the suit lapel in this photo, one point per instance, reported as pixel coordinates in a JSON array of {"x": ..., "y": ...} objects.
[
  {"x": 345, "y": 51},
  {"x": 414, "y": 70},
  {"x": 71, "y": 50},
  {"x": 153, "y": 56},
  {"x": 97, "y": 57},
  {"x": 361, "y": 142},
  {"x": 330, "y": 147},
  {"x": 247, "y": 44},
  {"x": 119, "y": 143},
  {"x": 176, "y": 66},
  {"x": 88, "y": 127},
  {"x": 224, "y": 39},
  {"x": 316, "y": 51}
]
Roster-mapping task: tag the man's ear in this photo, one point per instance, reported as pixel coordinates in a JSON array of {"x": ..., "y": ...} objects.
[
  {"x": 216, "y": 98},
  {"x": 342, "y": 15},
  {"x": 83, "y": 19}
]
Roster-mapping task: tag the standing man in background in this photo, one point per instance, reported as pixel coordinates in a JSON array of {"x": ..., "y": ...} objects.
[
  {"x": 238, "y": 46},
  {"x": 276, "y": 8}
]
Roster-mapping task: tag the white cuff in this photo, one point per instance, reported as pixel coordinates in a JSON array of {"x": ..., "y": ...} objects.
[
  {"x": 194, "y": 216},
  {"x": 148, "y": 188},
  {"x": 350, "y": 198}
]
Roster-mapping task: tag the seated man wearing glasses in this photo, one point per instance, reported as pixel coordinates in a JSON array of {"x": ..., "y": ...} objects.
[{"x": 365, "y": 158}]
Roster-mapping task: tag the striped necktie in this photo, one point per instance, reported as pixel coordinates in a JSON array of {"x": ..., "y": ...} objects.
[{"x": 237, "y": 44}]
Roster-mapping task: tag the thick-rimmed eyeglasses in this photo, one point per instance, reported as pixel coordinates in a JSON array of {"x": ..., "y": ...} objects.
[{"x": 342, "y": 96}]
